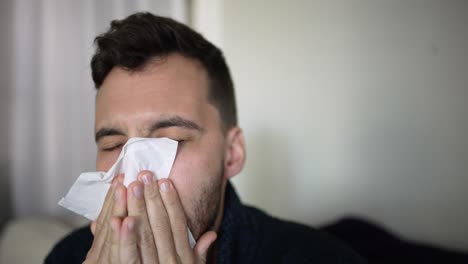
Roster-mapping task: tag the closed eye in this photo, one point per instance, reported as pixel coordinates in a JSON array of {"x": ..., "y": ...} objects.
[{"x": 112, "y": 148}]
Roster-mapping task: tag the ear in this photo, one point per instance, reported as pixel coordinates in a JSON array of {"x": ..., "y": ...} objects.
[{"x": 235, "y": 152}]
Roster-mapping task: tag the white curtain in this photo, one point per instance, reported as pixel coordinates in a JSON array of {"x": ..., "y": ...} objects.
[{"x": 52, "y": 115}]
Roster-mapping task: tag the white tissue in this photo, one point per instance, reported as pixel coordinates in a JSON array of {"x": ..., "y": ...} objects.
[{"x": 86, "y": 196}]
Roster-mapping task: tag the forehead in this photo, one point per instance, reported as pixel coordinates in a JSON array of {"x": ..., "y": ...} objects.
[{"x": 174, "y": 85}]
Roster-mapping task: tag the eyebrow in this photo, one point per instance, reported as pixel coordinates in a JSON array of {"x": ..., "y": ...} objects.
[{"x": 174, "y": 121}]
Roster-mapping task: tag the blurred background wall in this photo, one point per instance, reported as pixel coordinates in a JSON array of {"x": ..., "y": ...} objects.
[
  {"x": 356, "y": 107},
  {"x": 353, "y": 107},
  {"x": 47, "y": 95}
]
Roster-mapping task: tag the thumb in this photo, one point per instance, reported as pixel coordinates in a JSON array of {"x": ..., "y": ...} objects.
[{"x": 203, "y": 245}]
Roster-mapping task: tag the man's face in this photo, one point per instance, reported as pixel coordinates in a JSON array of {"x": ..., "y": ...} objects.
[{"x": 168, "y": 98}]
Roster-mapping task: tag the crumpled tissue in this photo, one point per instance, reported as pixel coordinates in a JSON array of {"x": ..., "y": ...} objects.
[{"x": 86, "y": 196}]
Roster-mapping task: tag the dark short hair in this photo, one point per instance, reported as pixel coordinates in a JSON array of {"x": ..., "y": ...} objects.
[{"x": 131, "y": 43}]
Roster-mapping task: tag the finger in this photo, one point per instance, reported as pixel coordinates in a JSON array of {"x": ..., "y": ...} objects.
[
  {"x": 128, "y": 242},
  {"x": 137, "y": 209},
  {"x": 119, "y": 210},
  {"x": 109, "y": 250},
  {"x": 100, "y": 227},
  {"x": 177, "y": 218},
  {"x": 114, "y": 206},
  {"x": 113, "y": 248},
  {"x": 203, "y": 245},
  {"x": 108, "y": 202},
  {"x": 159, "y": 220}
]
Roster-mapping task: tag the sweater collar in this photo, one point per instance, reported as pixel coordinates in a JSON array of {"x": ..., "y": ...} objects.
[{"x": 237, "y": 231}]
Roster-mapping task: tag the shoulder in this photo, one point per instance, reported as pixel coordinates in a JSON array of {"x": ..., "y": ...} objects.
[
  {"x": 289, "y": 242},
  {"x": 72, "y": 248}
]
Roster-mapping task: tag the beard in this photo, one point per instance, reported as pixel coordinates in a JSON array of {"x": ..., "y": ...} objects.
[{"x": 206, "y": 206}]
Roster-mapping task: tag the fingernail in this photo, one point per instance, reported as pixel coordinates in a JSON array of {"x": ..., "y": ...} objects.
[
  {"x": 164, "y": 186},
  {"x": 147, "y": 178},
  {"x": 138, "y": 191}
]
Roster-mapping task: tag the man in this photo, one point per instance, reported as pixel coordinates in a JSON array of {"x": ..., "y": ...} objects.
[{"x": 158, "y": 78}]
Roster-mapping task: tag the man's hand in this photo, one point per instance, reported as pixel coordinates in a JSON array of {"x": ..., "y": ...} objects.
[
  {"x": 105, "y": 241},
  {"x": 145, "y": 224}
]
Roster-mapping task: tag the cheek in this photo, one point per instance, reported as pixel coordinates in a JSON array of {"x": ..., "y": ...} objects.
[{"x": 194, "y": 169}]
